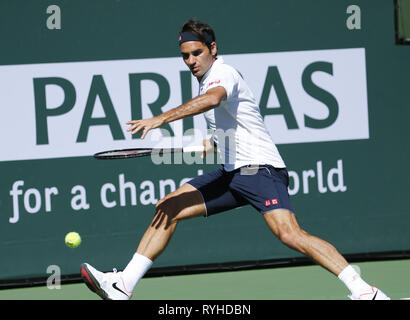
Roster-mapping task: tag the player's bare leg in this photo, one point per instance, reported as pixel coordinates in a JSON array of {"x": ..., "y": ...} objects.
[
  {"x": 284, "y": 225},
  {"x": 184, "y": 203}
]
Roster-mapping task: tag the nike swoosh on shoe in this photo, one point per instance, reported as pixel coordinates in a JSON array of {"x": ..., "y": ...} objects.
[{"x": 114, "y": 285}]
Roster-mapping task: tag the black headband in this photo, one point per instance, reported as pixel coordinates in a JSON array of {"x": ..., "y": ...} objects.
[{"x": 189, "y": 36}]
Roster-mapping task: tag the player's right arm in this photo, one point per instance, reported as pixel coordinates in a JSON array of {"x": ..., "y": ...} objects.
[{"x": 211, "y": 99}]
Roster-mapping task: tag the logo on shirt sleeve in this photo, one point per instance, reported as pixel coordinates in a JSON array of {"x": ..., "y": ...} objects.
[
  {"x": 214, "y": 82},
  {"x": 206, "y": 86}
]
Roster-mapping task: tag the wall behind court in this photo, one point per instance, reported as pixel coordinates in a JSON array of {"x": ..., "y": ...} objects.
[{"x": 331, "y": 84}]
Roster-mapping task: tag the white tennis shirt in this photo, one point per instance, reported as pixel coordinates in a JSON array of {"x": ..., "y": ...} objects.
[{"x": 237, "y": 124}]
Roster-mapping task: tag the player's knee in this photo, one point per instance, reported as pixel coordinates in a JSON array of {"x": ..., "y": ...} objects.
[
  {"x": 291, "y": 237},
  {"x": 287, "y": 238},
  {"x": 174, "y": 208},
  {"x": 167, "y": 208}
]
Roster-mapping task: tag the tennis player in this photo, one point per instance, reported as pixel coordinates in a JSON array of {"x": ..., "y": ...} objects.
[{"x": 258, "y": 178}]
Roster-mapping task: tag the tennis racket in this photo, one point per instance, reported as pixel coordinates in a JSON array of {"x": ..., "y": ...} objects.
[{"x": 143, "y": 152}]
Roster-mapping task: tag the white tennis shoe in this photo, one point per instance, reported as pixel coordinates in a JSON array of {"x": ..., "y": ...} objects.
[
  {"x": 108, "y": 285},
  {"x": 374, "y": 294}
]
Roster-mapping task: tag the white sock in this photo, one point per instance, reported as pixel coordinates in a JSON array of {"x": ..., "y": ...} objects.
[
  {"x": 135, "y": 270},
  {"x": 353, "y": 281}
]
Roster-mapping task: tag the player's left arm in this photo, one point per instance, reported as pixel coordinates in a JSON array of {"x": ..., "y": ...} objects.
[{"x": 211, "y": 99}]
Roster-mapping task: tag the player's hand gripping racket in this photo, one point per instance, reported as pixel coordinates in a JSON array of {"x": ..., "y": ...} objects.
[{"x": 143, "y": 152}]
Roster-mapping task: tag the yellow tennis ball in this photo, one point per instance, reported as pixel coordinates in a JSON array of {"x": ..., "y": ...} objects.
[{"x": 72, "y": 239}]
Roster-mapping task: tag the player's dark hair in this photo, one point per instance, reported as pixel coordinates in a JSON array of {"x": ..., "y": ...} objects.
[{"x": 201, "y": 30}]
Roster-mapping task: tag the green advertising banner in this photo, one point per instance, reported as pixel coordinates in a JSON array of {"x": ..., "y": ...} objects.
[{"x": 331, "y": 83}]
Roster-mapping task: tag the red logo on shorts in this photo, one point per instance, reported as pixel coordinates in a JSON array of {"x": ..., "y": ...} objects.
[{"x": 271, "y": 202}]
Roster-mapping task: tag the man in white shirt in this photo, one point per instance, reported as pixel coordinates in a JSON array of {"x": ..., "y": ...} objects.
[{"x": 252, "y": 173}]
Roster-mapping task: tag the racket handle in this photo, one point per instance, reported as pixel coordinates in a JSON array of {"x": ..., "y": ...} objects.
[{"x": 193, "y": 149}]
